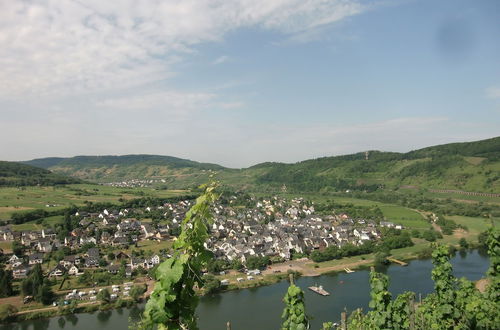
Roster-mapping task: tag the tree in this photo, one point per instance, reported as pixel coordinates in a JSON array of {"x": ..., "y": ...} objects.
[
  {"x": 5, "y": 283},
  {"x": 7, "y": 311},
  {"x": 104, "y": 296},
  {"x": 255, "y": 262},
  {"x": 17, "y": 248},
  {"x": 294, "y": 315},
  {"x": 236, "y": 264},
  {"x": 45, "y": 294},
  {"x": 173, "y": 302},
  {"x": 212, "y": 284},
  {"x": 381, "y": 258},
  {"x": 463, "y": 243},
  {"x": 137, "y": 291},
  {"x": 31, "y": 285}
]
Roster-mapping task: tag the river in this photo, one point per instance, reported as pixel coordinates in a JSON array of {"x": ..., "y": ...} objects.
[{"x": 261, "y": 308}]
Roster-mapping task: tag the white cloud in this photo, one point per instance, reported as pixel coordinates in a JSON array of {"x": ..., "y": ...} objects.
[
  {"x": 493, "y": 92},
  {"x": 64, "y": 47},
  {"x": 220, "y": 60}
]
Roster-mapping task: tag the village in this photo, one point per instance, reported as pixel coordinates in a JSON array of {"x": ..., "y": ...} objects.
[{"x": 109, "y": 242}]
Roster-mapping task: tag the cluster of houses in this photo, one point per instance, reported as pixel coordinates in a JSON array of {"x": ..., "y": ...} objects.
[
  {"x": 273, "y": 227},
  {"x": 74, "y": 265},
  {"x": 294, "y": 229},
  {"x": 109, "y": 228},
  {"x": 135, "y": 183}
]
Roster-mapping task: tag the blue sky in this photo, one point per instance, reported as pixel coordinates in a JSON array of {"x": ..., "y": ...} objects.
[{"x": 242, "y": 82}]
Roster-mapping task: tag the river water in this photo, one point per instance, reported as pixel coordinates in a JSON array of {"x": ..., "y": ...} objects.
[{"x": 261, "y": 308}]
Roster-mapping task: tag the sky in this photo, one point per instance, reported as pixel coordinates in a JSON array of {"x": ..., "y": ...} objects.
[{"x": 242, "y": 82}]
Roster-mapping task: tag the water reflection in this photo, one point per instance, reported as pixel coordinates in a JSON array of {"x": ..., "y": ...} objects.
[
  {"x": 71, "y": 318},
  {"x": 135, "y": 313},
  {"x": 62, "y": 322},
  {"x": 250, "y": 309},
  {"x": 103, "y": 316}
]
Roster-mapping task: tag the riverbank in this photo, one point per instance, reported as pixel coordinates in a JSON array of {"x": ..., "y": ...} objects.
[
  {"x": 275, "y": 273},
  {"x": 253, "y": 308}
]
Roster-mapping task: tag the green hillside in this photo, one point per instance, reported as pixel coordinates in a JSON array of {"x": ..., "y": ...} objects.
[
  {"x": 117, "y": 168},
  {"x": 16, "y": 174},
  {"x": 469, "y": 166}
]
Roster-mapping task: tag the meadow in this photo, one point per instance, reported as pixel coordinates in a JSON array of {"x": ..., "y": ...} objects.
[{"x": 13, "y": 199}]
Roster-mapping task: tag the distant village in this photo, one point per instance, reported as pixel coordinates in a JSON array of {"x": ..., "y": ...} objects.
[
  {"x": 135, "y": 183},
  {"x": 272, "y": 227}
]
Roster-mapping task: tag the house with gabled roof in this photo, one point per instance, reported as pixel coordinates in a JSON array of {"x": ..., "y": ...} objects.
[
  {"x": 73, "y": 270},
  {"x": 21, "y": 271},
  {"x": 58, "y": 270},
  {"x": 35, "y": 258}
]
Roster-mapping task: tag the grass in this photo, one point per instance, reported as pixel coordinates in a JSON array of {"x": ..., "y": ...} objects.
[
  {"x": 6, "y": 247},
  {"x": 395, "y": 213},
  {"x": 28, "y": 198},
  {"x": 151, "y": 246},
  {"x": 33, "y": 225},
  {"x": 347, "y": 260},
  {"x": 463, "y": 197}
]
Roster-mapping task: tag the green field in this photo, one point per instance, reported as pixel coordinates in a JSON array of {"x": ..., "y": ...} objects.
[
  {"x": 28, "y": 198},
  {"x": 398, "y": 214},
  {"x": 453, "y": 196}
]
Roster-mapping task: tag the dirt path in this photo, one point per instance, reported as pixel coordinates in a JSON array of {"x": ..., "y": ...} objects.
[{"x": 53, "y": 308}]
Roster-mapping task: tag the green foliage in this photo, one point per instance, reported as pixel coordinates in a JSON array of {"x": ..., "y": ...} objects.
[
  {"x": 447, "y": 225},
  {"x": 236, "y": 264},
  {"x": 173, "y": 301},
  {"x": 256, "y": 262},
  {"x": 17, "y": 248},
  {"x": 7, "y": 311},
  {"x": 104, "y": 296},
  {"x": 347, "y": 250},
  {"x": 6, "y": 283},
  {"x": 35, "y": 285},
  {"x": 392, "y": 239},
  {"x": 137, "y": 291},
  {"x": 380, "y": 302},
  {"x": 217, "y": 265},
  {"x": 15, "y": 174},
  {"x": 22, "y": 217},
  {"x": 463, "y": 243},
  {"x": 212, "y": 284},
  {"x": 294, "y": 315},
  {"x": 45, "y": 294},
  {"x": 493, "y": 243},
  {"x": 455, "y": 304},
  {"x": 354, "y": 211},
  {"x": 430, "y": 235},
  {"x": 381, "y": 258}
]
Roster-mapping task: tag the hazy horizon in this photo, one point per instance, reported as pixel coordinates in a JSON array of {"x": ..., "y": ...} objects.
[{"x": 219, "y": 163}]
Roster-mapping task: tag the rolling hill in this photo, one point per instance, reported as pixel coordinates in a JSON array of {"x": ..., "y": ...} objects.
[
  {"x": 118, "y": 168},
  {"x": 469, "y": 166},
  {"x": 17, "y": 174}
]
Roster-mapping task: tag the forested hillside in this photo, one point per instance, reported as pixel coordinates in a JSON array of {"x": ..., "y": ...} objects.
[
  {"x": 114, "y": 168},
  {"x": 16, "y": 174},
  {"x": 469, "y": 166}
]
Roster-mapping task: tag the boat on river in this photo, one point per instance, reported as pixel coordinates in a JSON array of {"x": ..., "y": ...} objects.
[
  {"x": 319, "y": 290},
  {"x": 348, "y": 271}
]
